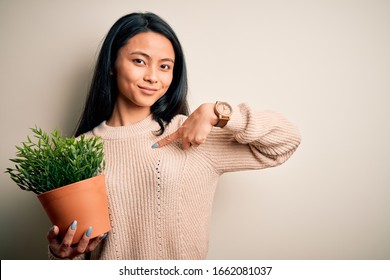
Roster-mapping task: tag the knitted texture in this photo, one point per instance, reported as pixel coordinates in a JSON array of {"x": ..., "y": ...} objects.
[{"x": 161, "y": 199}]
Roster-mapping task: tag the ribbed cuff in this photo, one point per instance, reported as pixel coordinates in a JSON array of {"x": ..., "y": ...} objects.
[{"x": 236, "y": 122}]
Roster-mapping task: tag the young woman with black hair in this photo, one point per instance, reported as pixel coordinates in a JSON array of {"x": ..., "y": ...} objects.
[{"x": 162, "y": 163}]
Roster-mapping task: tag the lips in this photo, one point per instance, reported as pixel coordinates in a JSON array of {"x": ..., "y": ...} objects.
[{"x": 148, "y": 90}]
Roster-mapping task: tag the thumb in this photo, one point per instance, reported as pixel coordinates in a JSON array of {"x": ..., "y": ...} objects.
[
  {"x": 53, "y": 233},
  {"x": 52, "y": 236}
]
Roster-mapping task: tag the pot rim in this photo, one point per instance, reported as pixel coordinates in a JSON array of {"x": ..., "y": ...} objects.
[{"x": 72, "y": 184}]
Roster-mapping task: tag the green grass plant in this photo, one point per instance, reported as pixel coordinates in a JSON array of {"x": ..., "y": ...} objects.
[{"x": 53, "y": 161}]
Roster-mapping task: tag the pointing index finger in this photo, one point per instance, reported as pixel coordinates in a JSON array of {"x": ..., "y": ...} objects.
[{"x": 165, "y": 141}]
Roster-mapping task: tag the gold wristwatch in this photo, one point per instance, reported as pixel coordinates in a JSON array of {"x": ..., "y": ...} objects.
[{"x": 223, "y": 111}]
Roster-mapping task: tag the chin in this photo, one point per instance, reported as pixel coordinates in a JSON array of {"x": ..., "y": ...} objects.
[{"x": 146, "y": 103}]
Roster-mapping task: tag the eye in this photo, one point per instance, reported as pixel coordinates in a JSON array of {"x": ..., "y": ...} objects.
[
  {"x": 165, "y": 67},
  {"x": 138, "y": 61}
]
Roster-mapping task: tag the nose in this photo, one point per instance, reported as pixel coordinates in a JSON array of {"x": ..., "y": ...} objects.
[{"x": 150, "y": 75}]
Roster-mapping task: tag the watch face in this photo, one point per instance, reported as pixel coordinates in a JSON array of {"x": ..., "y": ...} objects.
[{"x": 224, "y": 108}]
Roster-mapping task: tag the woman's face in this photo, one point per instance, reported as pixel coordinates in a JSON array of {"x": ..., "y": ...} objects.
[{"x": 144, "y": 70}]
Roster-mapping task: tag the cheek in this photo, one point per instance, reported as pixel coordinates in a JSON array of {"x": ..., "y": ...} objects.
[
  {"x": 167, "y": 80},
  {"x": 122, "y": 83},
  {"x": 126, "y": 78}
]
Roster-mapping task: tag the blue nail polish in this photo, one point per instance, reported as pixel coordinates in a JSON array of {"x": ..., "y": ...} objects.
[
  {"x": 155, "y": 145},
  {"x": 103, "y": 236},
  {"x": 89, "y": 231},
  {"x": 74, "y": 225}
]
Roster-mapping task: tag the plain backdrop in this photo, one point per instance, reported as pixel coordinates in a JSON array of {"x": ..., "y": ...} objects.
[{"x": 324, "y": 64}]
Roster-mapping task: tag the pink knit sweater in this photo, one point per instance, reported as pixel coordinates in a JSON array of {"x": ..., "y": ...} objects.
[{"x": 161, "y": 199}]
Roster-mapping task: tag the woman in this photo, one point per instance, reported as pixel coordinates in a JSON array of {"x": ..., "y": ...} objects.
[{"x": 162, "y": 166}]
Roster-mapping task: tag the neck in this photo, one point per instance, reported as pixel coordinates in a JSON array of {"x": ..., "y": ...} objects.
[{"x": 126, "y": 115}]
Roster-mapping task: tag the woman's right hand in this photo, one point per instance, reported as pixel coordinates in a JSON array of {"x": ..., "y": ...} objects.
[{"x": 64, "y": 249}]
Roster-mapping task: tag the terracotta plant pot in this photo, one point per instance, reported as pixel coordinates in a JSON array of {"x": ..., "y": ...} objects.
[{"x": 85, "y": 201}]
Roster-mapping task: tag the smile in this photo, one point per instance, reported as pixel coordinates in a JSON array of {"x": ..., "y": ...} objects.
[{"x": 147, "y": 90}]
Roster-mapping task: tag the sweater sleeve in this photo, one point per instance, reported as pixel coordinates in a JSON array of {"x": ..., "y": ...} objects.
[{"x": 252, "y": 140}]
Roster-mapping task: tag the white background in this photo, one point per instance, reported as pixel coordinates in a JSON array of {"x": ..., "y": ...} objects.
[{"x": 324, "y": 64}]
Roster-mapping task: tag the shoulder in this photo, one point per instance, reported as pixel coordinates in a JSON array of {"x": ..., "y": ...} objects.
[
  {"x": 92, "y": 133},
  {"x": 176, "y": 122}
]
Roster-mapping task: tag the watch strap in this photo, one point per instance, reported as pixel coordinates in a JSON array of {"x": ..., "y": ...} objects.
[{"x": 221, "y": 122}]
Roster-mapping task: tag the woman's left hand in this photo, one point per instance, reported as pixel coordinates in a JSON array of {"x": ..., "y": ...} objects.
[{"x": 195, "y": 129}]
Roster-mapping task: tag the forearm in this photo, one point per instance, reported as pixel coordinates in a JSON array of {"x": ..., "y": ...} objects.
[{"x": 252, "y": 140}]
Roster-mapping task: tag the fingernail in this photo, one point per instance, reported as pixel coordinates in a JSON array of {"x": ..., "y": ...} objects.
[
  {"x": 103, "y": 236},
  {"x": 52, "y": 229},
  {"x": 74, "y": 225},
  {"x": 155, "y": 145},
  {"x": 89, "y": 231}
]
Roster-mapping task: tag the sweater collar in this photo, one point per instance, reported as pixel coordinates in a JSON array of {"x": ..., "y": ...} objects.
[{"x": 145, "y": 126}]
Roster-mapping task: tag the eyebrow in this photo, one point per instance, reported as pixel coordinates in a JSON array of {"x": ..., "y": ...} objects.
[{"x": 148, "y": 56}]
